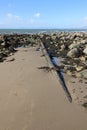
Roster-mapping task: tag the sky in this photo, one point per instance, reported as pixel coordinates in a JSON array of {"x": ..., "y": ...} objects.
[{"x": 38, "y": 14}]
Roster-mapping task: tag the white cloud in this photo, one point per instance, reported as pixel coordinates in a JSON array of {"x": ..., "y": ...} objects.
[
  {"x": 37, "y": 15},
  {"x": 12, "y": 16},
  {"x": 11, "y": 20}
]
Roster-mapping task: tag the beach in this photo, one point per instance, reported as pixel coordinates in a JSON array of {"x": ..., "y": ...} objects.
[{"x": 33, "y": 99}]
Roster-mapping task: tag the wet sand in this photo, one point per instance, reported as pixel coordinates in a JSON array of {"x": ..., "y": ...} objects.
[
  {"x": 77, "y": 88},
  {"x": 33, "y": 99}
]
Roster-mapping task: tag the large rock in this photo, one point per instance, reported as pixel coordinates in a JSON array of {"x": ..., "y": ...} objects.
[
  {"x": 3, "y": 44},
  {"x": 73, "y": 53},
  {"x": 74, "y": 45},
  {"x": 79, "y": 68},
  {"x": 1, "y": 38},
  {"x": 85, "y": 50},
  {"x": 84, "y": 73}
]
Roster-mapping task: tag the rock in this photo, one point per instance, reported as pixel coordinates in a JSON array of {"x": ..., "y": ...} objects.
[
  {"x": 70, "y": 68},
  {"x": 85, "y": 50},
  {"x": 73, "y": 53},
  {"x": 84, "y": 73},
  {"x": 78, "y": 75},
  {"x": 1, "y": 38},
  {"x": 69, "y": 73},
  {"x": 84, "y": 104},
  {"x": 79, "y": 68},
  {"x": 62, "y": 47},
  {"x": 74, "y": 45},
  {"x": 82, "y": 58},
  {"x": 3, "y": 44},
  {"x": 83, "y": 42}
]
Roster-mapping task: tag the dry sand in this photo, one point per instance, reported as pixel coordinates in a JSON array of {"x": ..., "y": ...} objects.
[{"x": 32, "y": 99}]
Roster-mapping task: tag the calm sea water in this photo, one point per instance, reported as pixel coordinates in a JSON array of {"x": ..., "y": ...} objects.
[{"x": 33, "y": 31}]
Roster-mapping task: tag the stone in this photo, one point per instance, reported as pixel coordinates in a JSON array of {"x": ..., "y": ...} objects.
[
  {"x": 82, "y": 58},
  {"x": 85, "y": 105},
  {"x": 3, "y": 44},
  {"x": 78, "y": 75},
  {"x": 85, "y": 50},
  {"x": 70, "y": 68},
  {"x": 79, "y": 68},
  {"x": 74, "y": 45},
  {"x": 73, "y": 53},
  {"x": 69, "y": 73},
  {"x": 84, "y": 73},
  {"x": 62, "y": 47}
]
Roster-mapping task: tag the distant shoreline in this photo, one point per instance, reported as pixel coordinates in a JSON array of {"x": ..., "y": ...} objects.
[{"x": 30, "y": 31}]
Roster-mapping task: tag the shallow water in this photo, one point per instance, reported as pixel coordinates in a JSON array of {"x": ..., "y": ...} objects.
[{"x": 30, "y": 31}]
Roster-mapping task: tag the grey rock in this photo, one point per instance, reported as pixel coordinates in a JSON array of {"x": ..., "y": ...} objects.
[
  {"x": 84, "y": 73},
  {"x": 69, "y": 67},
  {"x": 73, "y": 53},
  {"x": 85, "y": 51},
  {"x": 62, "y": 47},
  {"x": 79, "y": 68},
  {"x": 74, "y": 45},
  {"x": 3, "y": 44}
]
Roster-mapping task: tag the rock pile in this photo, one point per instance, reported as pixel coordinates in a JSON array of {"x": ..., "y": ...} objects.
[
  {"x": 72, "y": 48},
  {"x": 9, "y": 42}
]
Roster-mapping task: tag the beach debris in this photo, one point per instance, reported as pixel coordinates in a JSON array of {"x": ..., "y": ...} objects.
[
  {"x": 85, "y": 105},
  {"x": 46, "y": 68},
  {"x": 11, "y": 60}
]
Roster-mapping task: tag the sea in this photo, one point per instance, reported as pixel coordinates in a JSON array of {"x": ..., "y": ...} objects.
[{"x": 35, "y": 31}]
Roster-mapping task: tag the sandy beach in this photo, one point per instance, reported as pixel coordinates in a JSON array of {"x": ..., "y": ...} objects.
[{"x": 33, "y": 99}]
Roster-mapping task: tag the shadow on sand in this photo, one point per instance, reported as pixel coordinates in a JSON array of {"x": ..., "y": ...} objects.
[{"x": 62, "y": 81}]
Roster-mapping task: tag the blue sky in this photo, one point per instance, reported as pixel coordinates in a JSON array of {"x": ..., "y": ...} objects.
[{"x": 43, "y": 13}]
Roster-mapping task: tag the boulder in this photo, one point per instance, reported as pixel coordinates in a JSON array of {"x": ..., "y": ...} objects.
[
  {"x": 82, "y": 58},
  {"x": 3, "y": 44},
  {"x": 85, "y": 50},
  {"x": 84, "y": 73},
  {"x": 79, "y": 68},
  {"x": 74, "y": 45},
  {"x": 73, "y": 53}
]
